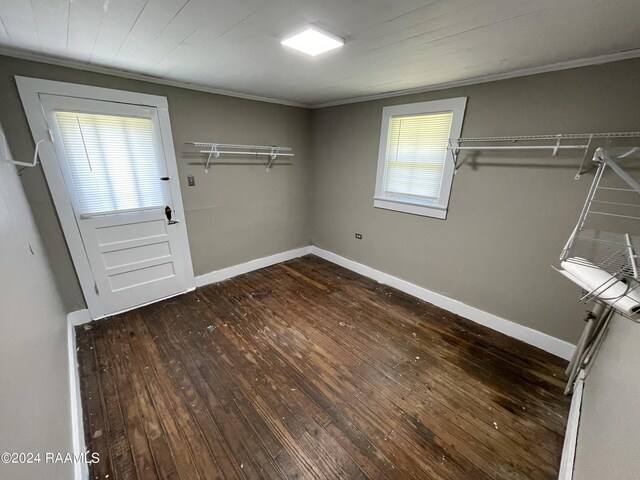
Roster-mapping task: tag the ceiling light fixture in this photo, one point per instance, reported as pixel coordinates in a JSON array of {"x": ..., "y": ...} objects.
[{"x": 312, "y": 40}]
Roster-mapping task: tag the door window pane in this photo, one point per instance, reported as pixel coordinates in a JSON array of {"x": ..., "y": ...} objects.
[{"x": 113, "y": 161}]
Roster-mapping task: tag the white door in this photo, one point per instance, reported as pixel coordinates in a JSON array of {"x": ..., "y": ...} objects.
[{"x": 123, "y": 189}]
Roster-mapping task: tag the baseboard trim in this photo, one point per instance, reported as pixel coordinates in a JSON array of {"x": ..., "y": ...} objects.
[
  {"x": 571, "y": 435},
  {"x": 79, "y": 317},
  {"x": 80, "y": 470},
  {"x": 528, "y": 335},
  {"x": 250, "y": 266}
]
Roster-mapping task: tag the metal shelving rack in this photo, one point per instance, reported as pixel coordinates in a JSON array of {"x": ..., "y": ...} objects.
[
  {"x": 606, "y": 234},
  {"x": 602, "y": 250}
]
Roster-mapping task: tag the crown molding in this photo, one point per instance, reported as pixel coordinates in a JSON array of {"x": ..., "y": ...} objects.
[
  {"x": 61, "y": 62},
  {"x": 554, "y": 67}
]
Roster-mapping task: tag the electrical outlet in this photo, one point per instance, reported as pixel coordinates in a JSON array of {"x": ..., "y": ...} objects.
[
  {"x": 191, "y": 181},
  {"x": 359, "y": 236}
]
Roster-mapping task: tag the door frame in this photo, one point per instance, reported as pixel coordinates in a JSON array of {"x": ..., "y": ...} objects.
[{"x": 30, "y": 90}]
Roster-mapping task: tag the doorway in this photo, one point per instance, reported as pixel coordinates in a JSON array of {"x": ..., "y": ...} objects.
[{"x": 111, "y": 168}]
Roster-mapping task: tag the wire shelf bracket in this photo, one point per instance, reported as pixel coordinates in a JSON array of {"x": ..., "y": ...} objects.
[{"x": 5, "y": 152}]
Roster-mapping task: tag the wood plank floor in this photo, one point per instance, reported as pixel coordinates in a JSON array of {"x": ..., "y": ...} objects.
[{"x": 307, "y": 370}]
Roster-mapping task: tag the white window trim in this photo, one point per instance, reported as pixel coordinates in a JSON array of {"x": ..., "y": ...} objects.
[{"x": 412, "y": 205}]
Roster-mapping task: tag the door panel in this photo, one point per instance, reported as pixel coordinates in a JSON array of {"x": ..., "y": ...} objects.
[
  {"x": 131, "y": 257},
  {"x": 123, "y": 257},
  {"x": 141, "y": 277},
  {"x": 132, "y": 232},
  {"x": 113, "y": 163}
]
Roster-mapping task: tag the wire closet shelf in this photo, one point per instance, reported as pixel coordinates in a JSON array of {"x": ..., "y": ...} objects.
[
  {"x": 215, "y": 150},
  {"x": 552, "y": 143},
  {"x": 601, "y": 253}
]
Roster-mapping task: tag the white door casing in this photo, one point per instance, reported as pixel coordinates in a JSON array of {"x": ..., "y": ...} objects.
[{"x": 124, "y": 258}]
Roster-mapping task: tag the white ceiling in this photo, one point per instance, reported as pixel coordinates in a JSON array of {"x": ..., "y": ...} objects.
[{"x": 392, "y": 45}]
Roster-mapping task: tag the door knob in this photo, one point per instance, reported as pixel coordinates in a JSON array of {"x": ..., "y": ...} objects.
[{"x": 167, "y": 212}]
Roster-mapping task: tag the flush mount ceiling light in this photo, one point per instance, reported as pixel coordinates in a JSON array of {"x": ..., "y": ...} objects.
[{"x": 312, "y": 40}]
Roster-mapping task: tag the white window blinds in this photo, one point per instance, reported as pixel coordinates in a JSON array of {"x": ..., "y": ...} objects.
[
  {"x": 416, "y": 152},
  {"x": 113, "y": 161}
]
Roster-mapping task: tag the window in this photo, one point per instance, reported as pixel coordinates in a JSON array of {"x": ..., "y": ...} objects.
[
  {"x": 113, "y": 161},
  {"x": 415, "y": 168}
]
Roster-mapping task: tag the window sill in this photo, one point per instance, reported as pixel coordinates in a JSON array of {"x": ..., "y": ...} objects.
[{"x": 415, "y": 208}]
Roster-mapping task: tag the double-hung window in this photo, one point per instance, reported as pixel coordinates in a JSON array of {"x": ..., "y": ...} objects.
[{"x": 415, "y": 167}]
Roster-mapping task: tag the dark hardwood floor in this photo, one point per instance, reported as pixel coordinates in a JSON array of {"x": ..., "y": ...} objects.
[{"x": 307, "y": 370}]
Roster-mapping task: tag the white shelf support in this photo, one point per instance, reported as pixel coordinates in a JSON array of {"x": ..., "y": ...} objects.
[
  {"x": 5, "y": 152},
  {"x": 557, "y": 147},
  {"x": 216, "y": 154}
]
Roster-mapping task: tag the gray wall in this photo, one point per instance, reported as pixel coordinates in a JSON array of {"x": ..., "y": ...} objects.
[
  {"x": 233, "y": 214},
  {"x": 608, "y": 440},
  {"x": 34, "y": 397},
  {"x": 508, "y": 219}
]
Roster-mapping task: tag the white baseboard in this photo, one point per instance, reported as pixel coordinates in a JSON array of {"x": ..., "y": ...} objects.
[
  {"x": 571, "y": 435},
  {"x": 250, "y": 266},
  {"x": 79, "y": 317},
  {"x": 80, "y": 470},
  {"x": 83, "y": 316},
  {"x": 528, "y": 335}
]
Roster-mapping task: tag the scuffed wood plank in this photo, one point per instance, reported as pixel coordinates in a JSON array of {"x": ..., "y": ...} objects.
[{"x": 95, "y": 403}]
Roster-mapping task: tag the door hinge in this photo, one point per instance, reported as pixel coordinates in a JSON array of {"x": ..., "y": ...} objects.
[{"x": 95, "y": 287}]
